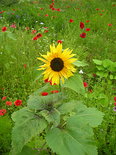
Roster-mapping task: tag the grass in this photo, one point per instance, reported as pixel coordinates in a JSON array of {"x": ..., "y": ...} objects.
[{"x": 16, "y": 50}]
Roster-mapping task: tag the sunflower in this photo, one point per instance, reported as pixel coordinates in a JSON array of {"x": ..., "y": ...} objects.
[{"x": 57, "y": 64}]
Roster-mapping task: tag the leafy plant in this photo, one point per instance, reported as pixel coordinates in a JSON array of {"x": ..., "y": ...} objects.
[
  {"x": 105, "y": 68},
  {"x": 67, "y": 126}
]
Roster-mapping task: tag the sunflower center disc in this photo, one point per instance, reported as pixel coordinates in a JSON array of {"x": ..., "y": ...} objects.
[{"x": 57, "y": 64}]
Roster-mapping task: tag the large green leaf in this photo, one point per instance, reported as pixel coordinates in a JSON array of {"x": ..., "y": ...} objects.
[
  {"x": 67, "y": 107},
  {"x": 27, "y": 125},
  {"x": 37, "y": 102},
  {"x": 75, "y": 83},
  {"x": 52, "y": 116},
  {"x": 97, "y": 62},
  {"x": 80, "y": 63},
  {"x": 75, "y": 139},
  {"x": 91, "y": 115}
]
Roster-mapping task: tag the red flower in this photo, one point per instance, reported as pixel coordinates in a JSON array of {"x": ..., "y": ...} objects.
[
  {"x": 45, "y": 31},
  {"x": 4, "y": 29},
  {"x": 53, "y": 8},
  {"x": 52, "y": 84},
  {"x": 87, "y": 21},
  {"x": 41, "y": 8},
  {"x": 27, "y": 28},
  {"x": 100, "y": 14},
  {"x": 18, "y": 102},
  {"x": 25, "y": 65},
  {"x": 46, "y": 15},
  {"x": 33, "y": 31},
  {"x": 4, "y": 98},
  {"x": 54, "y": 91},
  {"x": 82, "y": 25},
  {"x": 2, "y": 112},
  {"x": 44, "y": 93},
  {"x": 97, "y": 9},
  {"x": 59, "y": 41},
  {"x": 87, "y": 29},
  {"x": 114, "y": 98},
  {"x": 35, "y": 38},
  {"x": 9, "y": 103},
  {"x": 94, "y": 75},
  {"x": 115, "y": 103},
  {"x": 71, "y": 20},
  {"x": 46, "y": 81},
  {"x": 90, "y": 90},
  {"x": 109, "y": 24},
  {"x": 85, "y": 84},
  {"x": 13, "y": 26},
  {"x": 83, "y": 35},
  {"x": 39, "y": 35},
  {"x": 58, "y": 10}
]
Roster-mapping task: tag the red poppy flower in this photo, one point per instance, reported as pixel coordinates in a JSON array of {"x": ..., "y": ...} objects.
[
  {"x": 2, "y": 12},
  {"x": 59, "y": 41},
  {"x": 94, "y": 75},
  {"x": 71, "y": 21},
  {"x": 83, "y": 35},
  {"x": 45, "y": 31},
  {"x": 39, "y": 35},
  {"x": 87, "y": 21},
  {"x": 27, "y": 28},
  {"x": 18, "y": 102},
  {"x": 44, "y": 93},
  {"x": 46, "y": 15},
  {"x": 54, "y": 91},
  {"x": 114, "y": 98},
  {"x": 4, "y": 98},
  {"x": 53, "y": 8},
  {"x": 9, "y": 103},
  {"x": 13, "y": 26},
  {"x": 33, "y": 31},
  {"x": 82, "y": 25},
  {"x": 46, "y": 81},
  {"x": 100, "y": 14},
  {"x": 2, "y": 112},
  {"x": 25, "y": 65},
  {"x": 52, "y": 84},
  {"x": 35, "y": 38},
  {"x": 109, "y": 24},
  {"x": 97, "y": 9},
  {"x": 4, "y": 29},
  {"x": 115, "y": 103},
  {"x": 87, "y": 29},
  {"x": 85, "y": 84},
  {"x": 90, "y": 90},
  {"x": 58, "y": 10},
  {"x": 41, "y": 8}
]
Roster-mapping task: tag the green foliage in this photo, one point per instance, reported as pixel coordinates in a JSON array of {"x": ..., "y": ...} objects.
[
  {"x": 76, "y": 135},
  {"x": 75, "y": 83},
  {"x": 8, "y": 2},
  {"x": 5, "y": 134},
  {"x": 27, "y": 125},
  {"x": 105, "y": 68}
]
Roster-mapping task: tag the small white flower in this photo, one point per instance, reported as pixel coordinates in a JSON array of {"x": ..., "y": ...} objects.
[
  {"x": 41, "y": 23},
  {"x": 81, "y": 71},
  {"x": 36, "y": 21}
]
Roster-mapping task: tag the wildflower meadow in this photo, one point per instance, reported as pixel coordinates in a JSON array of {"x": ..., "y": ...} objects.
[{"x": 58, "y": 77}]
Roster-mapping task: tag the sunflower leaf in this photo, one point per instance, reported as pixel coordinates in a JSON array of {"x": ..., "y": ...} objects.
[
  {"x": 37, "y": 102},
  {"x": 75, "y": 138},
  {"x": 75, "y": 83},
  {"x": 80, "y": 63},
  {"x": 27, "y": 125},
  {"x": 51, "y": 116}
]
